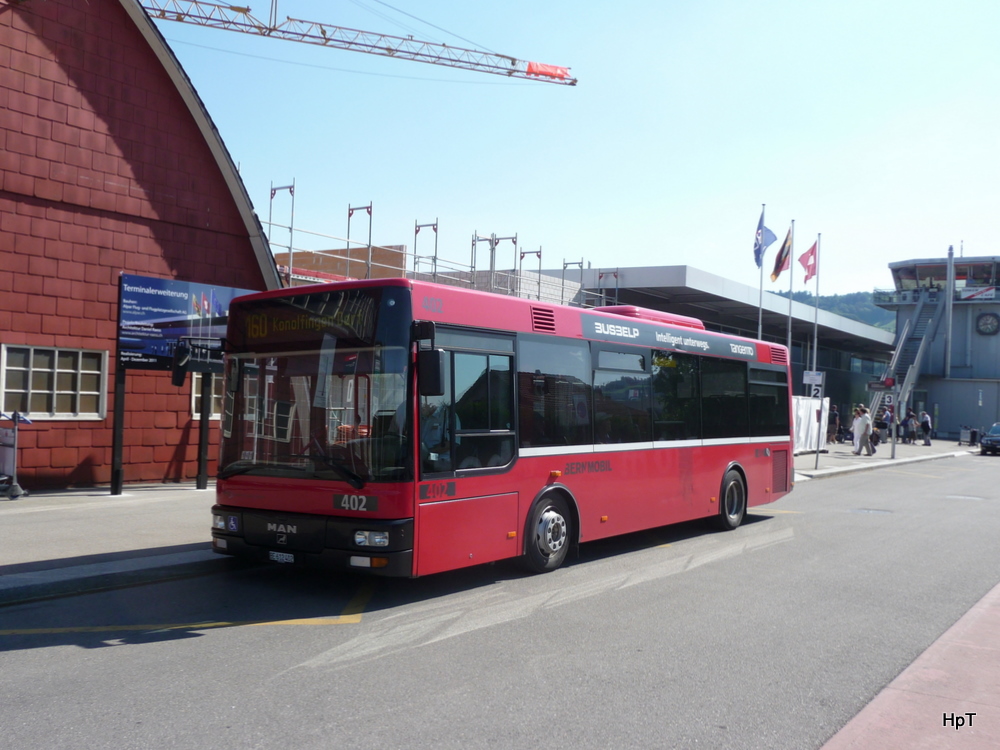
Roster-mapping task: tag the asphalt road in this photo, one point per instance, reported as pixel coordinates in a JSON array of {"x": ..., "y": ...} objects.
[{"x": 772, "y": 636}]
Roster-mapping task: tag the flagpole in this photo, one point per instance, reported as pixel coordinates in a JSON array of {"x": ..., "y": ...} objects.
[
  {"x": 760, "y": 302},
  {"x": 760, "y": 305},
  {"x": 816, "y": 346},
  {"x": 791, "y": 275},
  {"x": 816, "y": 315}
]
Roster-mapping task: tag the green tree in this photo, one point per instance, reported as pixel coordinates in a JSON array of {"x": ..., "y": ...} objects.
[{"x": 856, "y": 306}]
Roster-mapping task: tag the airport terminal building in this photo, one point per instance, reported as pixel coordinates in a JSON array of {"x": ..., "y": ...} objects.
[{"x": 947, "y": 321}]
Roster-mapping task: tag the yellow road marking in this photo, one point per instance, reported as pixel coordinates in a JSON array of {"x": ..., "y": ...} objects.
[
  {"x": 345, "y": 620},
  {"x": 342, "y": 620}
]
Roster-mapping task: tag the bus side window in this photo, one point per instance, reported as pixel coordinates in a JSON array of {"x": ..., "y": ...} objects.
[
  {"x": 554, "y": 392},
  {"x": 768, "y": 403},
  {"x": 676, "y": 396},
  {"x": 436, "y": 429},
  {"x": 725, "y": 410},
  {"x": 483, "y": 397},
  {"x": 621, "y": 407}
]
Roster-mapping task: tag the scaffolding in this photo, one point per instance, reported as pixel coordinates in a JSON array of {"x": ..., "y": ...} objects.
[{"x": 315, "y": 259}]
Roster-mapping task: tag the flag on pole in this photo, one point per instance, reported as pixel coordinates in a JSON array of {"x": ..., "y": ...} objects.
[
  {"x": 781, "y": 262},
  {"x": 195, "y": 305},
  {"x": 808, "y": 261},
  {"x": 765, "y": 237}
]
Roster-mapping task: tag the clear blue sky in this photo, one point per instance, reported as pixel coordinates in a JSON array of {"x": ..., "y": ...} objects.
[{"x": 876, "y": 124}]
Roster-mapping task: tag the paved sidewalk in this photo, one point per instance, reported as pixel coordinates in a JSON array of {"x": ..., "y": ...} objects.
[
  {"x": 57, "y": 543},
  {"x": 838, "y": 458}
]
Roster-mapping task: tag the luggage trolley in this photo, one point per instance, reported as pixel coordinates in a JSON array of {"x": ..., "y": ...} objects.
[{"x": 8, "y": 457}]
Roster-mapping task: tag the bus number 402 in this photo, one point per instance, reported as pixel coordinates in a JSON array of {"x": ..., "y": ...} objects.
[{"x": 356, "y": 503}]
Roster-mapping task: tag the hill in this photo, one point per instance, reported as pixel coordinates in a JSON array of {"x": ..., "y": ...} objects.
[{"x": 856, "y": 306}]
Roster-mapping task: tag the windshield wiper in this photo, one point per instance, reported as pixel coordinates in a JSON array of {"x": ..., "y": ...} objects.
[
  {"x": 232, "y": 470},
  {"x": 346, "y": 474},
  {"x": 243, "y": 468},
  {"x": 235, "y": 468}
]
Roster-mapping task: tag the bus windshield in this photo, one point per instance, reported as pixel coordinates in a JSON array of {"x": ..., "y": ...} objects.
[{"x": 315, "y": 387}]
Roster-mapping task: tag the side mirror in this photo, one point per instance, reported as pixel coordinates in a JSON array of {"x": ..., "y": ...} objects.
[
  {"x": 431, "y": 368},
  {"x": 234, "y": 375},
  {"x": 180, "y": 363},
  {"x": 423, "y": 330}
]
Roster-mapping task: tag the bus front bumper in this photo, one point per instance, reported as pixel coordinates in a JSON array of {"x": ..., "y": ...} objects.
[{"x": 320, "y": 541}]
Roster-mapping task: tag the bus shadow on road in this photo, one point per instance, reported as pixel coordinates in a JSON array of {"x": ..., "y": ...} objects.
[
  {"x": 393, "y": 593},
  {"x": 245, "y": 594},
  {"x": 658, "y": 537}
]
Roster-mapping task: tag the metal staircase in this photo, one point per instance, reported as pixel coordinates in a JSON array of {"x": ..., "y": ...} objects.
[
  {"x": 923, "y": 316},
  {"x": 911, "y": 347},
  {"x": 891, "y": 369}
]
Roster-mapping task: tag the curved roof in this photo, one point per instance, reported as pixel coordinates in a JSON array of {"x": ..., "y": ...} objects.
[{"x": 255, "y": 232}]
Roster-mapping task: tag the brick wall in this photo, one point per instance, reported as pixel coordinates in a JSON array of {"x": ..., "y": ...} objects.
[{"x": 102, "y": 171}]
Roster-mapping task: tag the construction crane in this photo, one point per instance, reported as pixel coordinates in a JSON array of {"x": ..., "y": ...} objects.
[{"x": 237, "y": 18}]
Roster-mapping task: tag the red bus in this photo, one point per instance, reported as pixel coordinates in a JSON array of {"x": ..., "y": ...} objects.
[{"x": 407, "y": 428}]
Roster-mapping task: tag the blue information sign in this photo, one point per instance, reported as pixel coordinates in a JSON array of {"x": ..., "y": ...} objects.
[{"x": 156, "y": 313}]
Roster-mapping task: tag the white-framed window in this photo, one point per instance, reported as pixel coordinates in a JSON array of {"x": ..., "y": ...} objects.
[
  {"x": 218, "y": 388},
  {"x": 45, "y": 382}
]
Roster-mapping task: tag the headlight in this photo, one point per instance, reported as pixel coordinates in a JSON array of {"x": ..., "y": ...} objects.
[
  {"x": 371, "y": 538},
  {"x": 228, "y": 522}
]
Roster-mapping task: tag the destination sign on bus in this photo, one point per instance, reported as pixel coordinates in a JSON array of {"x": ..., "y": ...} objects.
[
  {"x": 308, "y": 317},
  {"x": 599, "y": 328}
]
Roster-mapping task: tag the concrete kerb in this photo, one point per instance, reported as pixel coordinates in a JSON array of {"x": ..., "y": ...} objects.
[
  {"x": 22, "y": 588},
  {"x": 803, "y": 475}
]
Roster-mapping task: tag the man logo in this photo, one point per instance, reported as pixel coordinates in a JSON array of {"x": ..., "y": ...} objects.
[{"x": 282, "y": 531}]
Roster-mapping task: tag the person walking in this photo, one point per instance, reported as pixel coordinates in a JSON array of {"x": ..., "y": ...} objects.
[
  {"x": 925, "y": 426},
  {"x": 832, "y": 425},
  {"x": 866, "y": 432},
  {"x": 856, "y": 432},
  {"x": 911, "y": 427}
]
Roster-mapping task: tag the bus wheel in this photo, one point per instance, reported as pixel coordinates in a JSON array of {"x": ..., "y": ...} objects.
[
  {"x": 548, "y": 533},
  {"x": 734, "y": 501}
]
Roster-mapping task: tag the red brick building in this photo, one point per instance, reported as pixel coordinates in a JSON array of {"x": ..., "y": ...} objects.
[{"x": 109, "y": 164}]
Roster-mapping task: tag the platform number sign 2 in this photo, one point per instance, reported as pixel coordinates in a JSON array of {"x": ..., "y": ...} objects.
[{"x": 813, "y": 381}]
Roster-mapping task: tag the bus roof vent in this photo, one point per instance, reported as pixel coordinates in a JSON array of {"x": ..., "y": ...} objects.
[
  {"x": 779, "y": 356},
  {"x": 658, "y": 316},
  {"x": 543, "y": 319}
]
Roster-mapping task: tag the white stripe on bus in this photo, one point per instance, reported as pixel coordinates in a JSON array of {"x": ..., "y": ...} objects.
[{"x": 565, "y": 450}]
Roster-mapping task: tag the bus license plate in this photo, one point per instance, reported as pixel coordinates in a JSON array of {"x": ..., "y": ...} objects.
[{"x": 281, "y": 557}]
